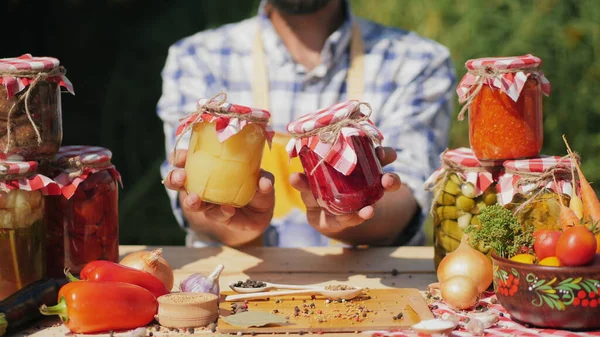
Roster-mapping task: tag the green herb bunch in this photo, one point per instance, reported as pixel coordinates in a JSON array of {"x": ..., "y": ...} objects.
[{"x": 501, "y": 231}]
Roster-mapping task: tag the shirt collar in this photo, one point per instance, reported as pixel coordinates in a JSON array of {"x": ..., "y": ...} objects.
[{"x": 335, "y": 45}]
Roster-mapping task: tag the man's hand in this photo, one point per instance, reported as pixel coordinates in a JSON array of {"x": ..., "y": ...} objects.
[
  {"x": 232, "y": 226},
  {"x": 330, "y": 225}
]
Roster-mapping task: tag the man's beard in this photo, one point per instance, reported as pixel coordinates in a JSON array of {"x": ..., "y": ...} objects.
[{"x": 299, "y": 7}]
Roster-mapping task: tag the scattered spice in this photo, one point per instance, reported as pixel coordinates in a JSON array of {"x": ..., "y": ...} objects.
[
  {"x": 150, "y": 334},
  {"x": 399, "y": 316},
  {"x": 212, "y": 327},
  {"x": 250, "y": 284},
  {"x": 339, "y": 287},
  {"x": 191, "y": 330},
  {"x": 395, "y": 272}
]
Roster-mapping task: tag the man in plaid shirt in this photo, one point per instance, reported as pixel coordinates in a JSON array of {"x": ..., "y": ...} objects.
[{"x": 407, "y": 79}]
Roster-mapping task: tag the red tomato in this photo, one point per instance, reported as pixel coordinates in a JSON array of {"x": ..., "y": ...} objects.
[
  {"x": 576, "y": 246},
  {"x": 545, "y": 242},
  {"x": 598, "y": 243}
]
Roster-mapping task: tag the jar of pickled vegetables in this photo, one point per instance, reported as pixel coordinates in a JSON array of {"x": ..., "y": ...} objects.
[
  {"x": 225, "y": 150},
  {"x": 83, "y": 220},
  {"x": 504, "y": 99},
  {"x": 533, "y": 189},
  {"x": 30, "y": 107},
  {"x": 336, "y": 147},
  {"x": 461, "y": 187},
  {"x": 22, "y": 242}
]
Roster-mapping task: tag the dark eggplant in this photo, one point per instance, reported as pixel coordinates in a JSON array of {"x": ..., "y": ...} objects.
[{"x": 23, "y": 307}]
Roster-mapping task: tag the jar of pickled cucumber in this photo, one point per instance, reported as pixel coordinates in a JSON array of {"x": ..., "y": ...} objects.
[
  {"x": 22, "y": 228},
  {"x": 533, "y": 189},
  {"x": 225, "y": 150},
  {"x": 336, "y": 147},
  {"x": 461, "y": 187},
  {"x": 83, "y": 221}
]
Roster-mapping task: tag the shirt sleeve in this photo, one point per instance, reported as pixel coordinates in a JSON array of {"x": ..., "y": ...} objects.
[
  {"x": 415, "y": 120},
  {"x": 185, "y": 79}
]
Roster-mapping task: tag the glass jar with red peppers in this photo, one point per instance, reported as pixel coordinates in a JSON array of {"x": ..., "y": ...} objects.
[
  {"x": 83, "y": 221},
  {"x": 30, "y": 107},
  {"x": 336, "y": 147},
  {"x": 504, "y": 99}
]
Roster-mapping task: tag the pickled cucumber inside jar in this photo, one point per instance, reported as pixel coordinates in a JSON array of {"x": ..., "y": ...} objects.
[{"x": 21, "y": 239}]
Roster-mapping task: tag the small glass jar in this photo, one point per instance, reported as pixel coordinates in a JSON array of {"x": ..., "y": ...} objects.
[
  {"x": 343, "y": 171},
  {"x": 461, "y": 188},
  {"x": 83, "y": 221},
  {"x": 30, "y": 107},
  {"x": 505, "y": 106},
  {"x": 22, "y": 228},
  {"x": 534, "y": 188},
  {"x": 225, "y": 152}
]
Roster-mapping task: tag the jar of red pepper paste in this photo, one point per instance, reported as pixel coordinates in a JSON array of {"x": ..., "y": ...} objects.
[
  {"x": 504, "y": 99},
  {"x": 82, "y": 221},
  {"x": 336, "y": 147}
]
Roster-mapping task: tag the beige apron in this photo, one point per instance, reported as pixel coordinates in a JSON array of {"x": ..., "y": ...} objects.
[{"x": 276, "y": 159}]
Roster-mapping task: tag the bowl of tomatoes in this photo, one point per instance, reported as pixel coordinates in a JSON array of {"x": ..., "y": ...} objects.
[{"x": 555, "y": 286}]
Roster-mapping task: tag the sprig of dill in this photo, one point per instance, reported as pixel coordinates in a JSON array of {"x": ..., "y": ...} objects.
[{"x": 501, "y": 231}]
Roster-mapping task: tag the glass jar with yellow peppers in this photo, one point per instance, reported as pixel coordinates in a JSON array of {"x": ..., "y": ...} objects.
[
  {"x": 225, "y": 151},
  {"x": 461, "y": 187},
  {"x": 533, "y": 189}
]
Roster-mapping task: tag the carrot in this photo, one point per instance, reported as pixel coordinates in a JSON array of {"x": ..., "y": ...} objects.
[
  {"x": 566, "y": 218},
  {"x": 591, "y": 204}
]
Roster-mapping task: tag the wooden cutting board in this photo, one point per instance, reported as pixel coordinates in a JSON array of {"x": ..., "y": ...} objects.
[{"x": 374, "y": 310}]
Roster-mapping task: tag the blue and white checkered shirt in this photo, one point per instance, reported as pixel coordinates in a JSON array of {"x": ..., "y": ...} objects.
[{"x": 409, "y": 84}]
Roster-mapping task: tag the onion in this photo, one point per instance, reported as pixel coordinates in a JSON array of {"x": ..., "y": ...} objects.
[
  {"x": 469, "y": 262},
  {"x": 460, "y": 292},
  {"x": 153, "y": 263}
]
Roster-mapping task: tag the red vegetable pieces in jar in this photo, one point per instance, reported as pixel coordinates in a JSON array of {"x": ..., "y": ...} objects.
[
  {"x": 504, "y": 99},
  {"x": 83, "y": 221},
  {"x": 336, "y": 147}
]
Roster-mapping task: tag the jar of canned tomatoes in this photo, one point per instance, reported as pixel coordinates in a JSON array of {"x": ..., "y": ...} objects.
[
  {"x": 461, "y": 187},
  {"x": 83, "y": 220},
  {"x": 534, "y": 188},
  {"x": 22, "y": 228},
  {"x": 336, "y": 147},
  {"x": 225, "y": 150},
  {"x": 30, "y": 107},
  {"x": 504, "y": 98}
]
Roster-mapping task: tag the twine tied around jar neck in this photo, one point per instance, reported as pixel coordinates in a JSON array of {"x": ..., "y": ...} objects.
[
  {"x": 38, "y": 76},
  {"x": 74, "y": 167},
  {"x": 330, "y": 134},
  {"x": 538, "y": 180},
  {"x": 484, "y": 74},
  {"x": 5, "y": 176}
]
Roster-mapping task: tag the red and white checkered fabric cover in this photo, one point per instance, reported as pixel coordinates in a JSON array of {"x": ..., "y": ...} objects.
[
  {"x": 482, "y": 180},
  {"x": 226, "y": 126},
  {"x": 505, "y": 327},
  {"x": 15, "y": 84},
  {"x": 510, "y": 83},
  {"x": 71, "y": 176},
  {"x": 340, "y": 155},
  {"x": 507, "y": 184},
  {"x": 31, "y": 182}
]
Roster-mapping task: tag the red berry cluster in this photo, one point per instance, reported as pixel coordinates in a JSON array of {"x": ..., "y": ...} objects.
[
  {"x": 508, "y": 287},
  {"x": 586, "y": 299}
]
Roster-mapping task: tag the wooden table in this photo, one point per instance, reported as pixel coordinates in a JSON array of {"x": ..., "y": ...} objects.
[{"x": 404, "y": 267}]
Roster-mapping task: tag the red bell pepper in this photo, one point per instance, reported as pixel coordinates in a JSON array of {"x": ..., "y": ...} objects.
[
  {"x": 109, "y": 271},
  {"x": 91, "y": 307}
]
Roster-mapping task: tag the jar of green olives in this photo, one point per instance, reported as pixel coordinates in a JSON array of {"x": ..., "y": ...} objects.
[
  {"x": 534, "y": 188},
  {"x": 461, "y": 187}
]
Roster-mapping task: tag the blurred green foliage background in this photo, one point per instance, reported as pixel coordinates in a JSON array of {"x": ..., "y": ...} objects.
[{"x": 114, "y": 51}]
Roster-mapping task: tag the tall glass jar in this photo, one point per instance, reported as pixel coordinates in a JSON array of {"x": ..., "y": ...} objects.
[
  {"x": 30, "y": 107},
  {"x": 337, "y": 152},
  {"x": 534, "y": 188},
  {"x": 461, "y": 187},
  {"x": 504, "y": 99},
  {"x": 22, "y": 229},
  {"x": 225, "y": 151},
  {"x": 83, "y": 221}
]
